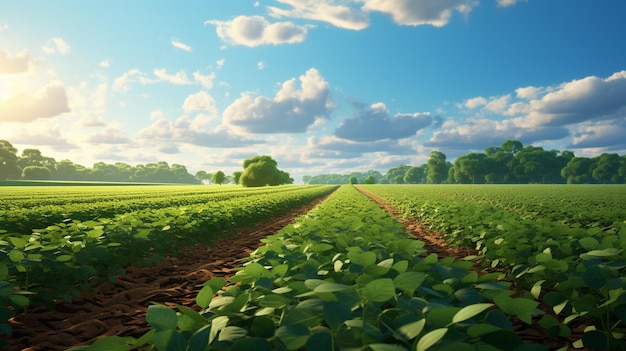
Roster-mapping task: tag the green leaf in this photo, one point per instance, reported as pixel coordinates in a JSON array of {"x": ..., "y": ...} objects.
[
  {"x": 263, "y": 327},
  {"x": 335, "y": 314},
  {"x": 594, "y": 340},
  {"x": 602, "y": 253},
  {"x": 589, "y": 243},
  {"x": 470, "y": 311},
  {"x": 362, "y": 258},
  {"x": 204, "y": 297},
  {"x": 112, "y": 343},
  {"x": 161, "y": 317},
  {"x": 95, "y": 233},
  {"x": 430, "y": 339},
  {"x": 169, "y": 340},
  {"x": 232, "y": 334},
  {"x": 408, "y": 282},
  {"x": 293, "y": 336},
  {"x": 217, "y": 325},
  {"x": 200, "y": 339},
  {"x": 247, "y": 344},
  {"x": 379, "y": 290},
  {"x": 543, "y": 257},
  {"x": 18, "y": 242},
  {"x": 256, "y": 270},
  {"x": 16, "y": 256},
  {"x": 412, "y": 330}
]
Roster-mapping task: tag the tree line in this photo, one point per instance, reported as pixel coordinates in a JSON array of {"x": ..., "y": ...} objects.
[
  {"x": 509, "y": 163},
  {"x": 33, "y": 165}
]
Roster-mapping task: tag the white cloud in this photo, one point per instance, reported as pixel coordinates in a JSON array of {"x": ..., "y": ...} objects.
[
  {"x": 505, "y": 3},
  {"x": 220, "y": 63},
  {"x": 527, "y": 92},
  {"x": 375, "y": 123},
  {"x": 260, "y": 65},
  {"x": 179, "y": 78},
  {"x": 580, "y": 100},
  {"x": 122, "y": 83},
  {"x": 105, "y": 63},
  {"x": 181, "y": 46},
  {"x": 475, "y": 102},
  {"x": 200, "y": 101},
  {"x": 189, "y": 131},
  {"x": 49, "y": 102},
  {"x": 54, "y": 45},
  {"x": 42, "y": 134},
  {"x": 15, "y": 64},
  {"x": 292, "y": 110},
  {"x": 205, "y": 80},
  {"x": 92, "y": 121},
  {"x": 599, "y": 135},
  {"x": 109, "y": 135},
  {"x": 338, "y": 15},
  {"x": 414, "y": 13},
  {"x": 4, "y": 27},
  {"x": 255, "y": 30}
]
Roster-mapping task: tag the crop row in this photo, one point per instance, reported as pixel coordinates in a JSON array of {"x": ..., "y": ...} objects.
[
  {"x": 577, "y": 272},
  {"x": 59, "y": 261},
  {"x": 343, "y": 277},
  {"x": 24, "y": 215}
]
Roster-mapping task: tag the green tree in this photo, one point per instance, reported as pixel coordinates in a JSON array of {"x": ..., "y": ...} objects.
[
  {"x": 9, "y": 168},
  {"x": 416, "y": 175},
  {"x": 370, "y": 180},
  {"x": 437, "y": 167},
  {"x": 219, "y": 177},
  {"x": 473, "y": 167},
  {"x": 395, "y": 175},
  {"x": 353, "y": 180},
  {"x": 36, "y": 173},
  {"x": 261, "y": 171},
  {"x": 606, "y": 168},
  {"x": 577, "y": 170},
  {"x": 202, "y": 176},
  {"x": 237, "y": 177}
]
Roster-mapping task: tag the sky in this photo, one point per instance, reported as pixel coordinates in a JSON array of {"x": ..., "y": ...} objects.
[{"x": 323, "y": 86}]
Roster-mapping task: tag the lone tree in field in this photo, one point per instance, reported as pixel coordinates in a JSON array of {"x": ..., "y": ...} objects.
[
  {"x": 219, "y": 177},
  {"x": 261, "y": 171}
]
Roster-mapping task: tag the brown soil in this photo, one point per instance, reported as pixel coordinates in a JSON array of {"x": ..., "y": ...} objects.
[{"x": 119, "y": 308}]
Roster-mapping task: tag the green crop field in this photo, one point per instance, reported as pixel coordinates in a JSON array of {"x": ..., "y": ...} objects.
[{"x": 345, "y": 276}]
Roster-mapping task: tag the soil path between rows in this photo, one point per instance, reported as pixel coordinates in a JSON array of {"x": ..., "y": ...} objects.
[{"x": 119, "y": 308}]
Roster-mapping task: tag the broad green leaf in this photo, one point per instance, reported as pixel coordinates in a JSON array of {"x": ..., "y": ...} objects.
[
  {"x": 595, "y": 340},
  {"x": 169, "y": 340},
  {"x": 379, "y": 290},
  {"x": 470, "y": 311},
  {"x": 256, "y": 270},
  {"x": 602, "y": 253},
  {"x": 543, "y": 257},
  {"x": 411, "y": 330},
  {"x": 95, "y": 233},
  {"x": 430, "y": 339},
  {"x": 111, "y": 343},
  {"x": 204, "y": 297},
  {"x": 589, "y": 243},
  {"x": 335, "y": 314},
  {"x": 408, "y": 282},
  {"x": 217, "y": 325},
  {"x": 362, "y": 258},
  {"x": 200, "y": 339},
  {"x": 18, "y": 242},
  {"x": 293, "y": 336},
  {"x": 232, "y": 334},
  {"x": 16, "y": 256},
  {"x": 386, "y": 347},
  {"x": 161, "y": 317}
]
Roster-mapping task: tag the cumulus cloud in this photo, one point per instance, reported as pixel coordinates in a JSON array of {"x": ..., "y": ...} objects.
[
  {"x": 200, "y": 101},
  {"x": 206, "y": 80},
  {"x": 292, "y": 110},
  {"x": 105, "y": 64},
  {"x": 15, "y": 64},
  {"x": 375, "y": 123},
  {"x": 56, "y": 45},
  {"x": 44, "y": 134},
  {"x": 351, "y": 147},
  {"x": 255, "y": 30},
  {"x": 49, "y": 102},
  {"x": 122, "y": 83},
  {"x": 478, "y": 133},
  {"x": 590, "y": 98},
  {"x": 475, "y": 102},
  {"x": 599, "y": 135},
  {"x": 338, "y": 15},
  {"x": 186, "y": 130},
  {"x": 415, "y": 13},
  {"x": 109, "y": 135},
  {"x": 181, "y": 46}
]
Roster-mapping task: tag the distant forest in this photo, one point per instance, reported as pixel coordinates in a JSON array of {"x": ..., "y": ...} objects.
[
  {"x": 509, "y": 163},
  {"x": 32, "y": 165}
]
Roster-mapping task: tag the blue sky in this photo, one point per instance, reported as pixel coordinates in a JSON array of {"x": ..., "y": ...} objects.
[{"x": 323, "y": 86}]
